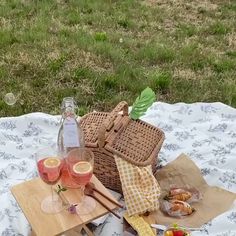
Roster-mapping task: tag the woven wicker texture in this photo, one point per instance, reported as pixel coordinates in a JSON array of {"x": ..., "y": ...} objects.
[
  {"x": 115, "y": 133},
  {"x": 91, "y": 124},
  {"x": 106, "y": 170},
  {"x": 136, "y": 143}
]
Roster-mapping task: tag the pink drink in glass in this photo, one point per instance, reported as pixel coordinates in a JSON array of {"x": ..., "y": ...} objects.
[
  {"x": 80, "y": 163},
  {"x": 49, "y": 171},
  {"x": 66, "y": 179},
  {"x": 82, "y": 172}
]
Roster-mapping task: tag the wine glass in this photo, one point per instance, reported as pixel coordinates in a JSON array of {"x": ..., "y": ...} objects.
[
  {"x": 80, "y": 162},
  {"x": 49, "y": 165}
]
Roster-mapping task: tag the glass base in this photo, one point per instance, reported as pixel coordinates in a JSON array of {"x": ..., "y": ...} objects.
[
  {"x": 85, "y": 207},
  {"x": 50, "y": 206}
]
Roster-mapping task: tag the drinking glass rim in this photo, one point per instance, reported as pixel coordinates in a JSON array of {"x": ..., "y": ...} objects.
[
  {"x": 84, "y": 149},
  {"x": 48, "y": 151}
]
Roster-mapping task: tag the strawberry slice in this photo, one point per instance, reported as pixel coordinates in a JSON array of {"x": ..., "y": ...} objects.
[{"x": 178, "y": 233}]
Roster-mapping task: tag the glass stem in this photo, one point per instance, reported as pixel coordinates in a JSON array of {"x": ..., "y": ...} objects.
[
  {"x": 82, "y": 193},
  {"x": 52, "y": 193}
]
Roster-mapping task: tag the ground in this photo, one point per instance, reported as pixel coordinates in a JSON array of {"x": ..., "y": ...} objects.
[{"x": 105, "y": 51}]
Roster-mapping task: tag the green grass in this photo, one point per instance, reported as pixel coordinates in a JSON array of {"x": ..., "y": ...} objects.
[{"x": 103, "y": 51}]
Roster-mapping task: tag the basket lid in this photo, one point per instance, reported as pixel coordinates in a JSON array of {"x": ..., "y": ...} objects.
[
  {"x": 91, "y": 124},
  {"x": 138, "y": 143},
  {"x": 133, "y": 140}
]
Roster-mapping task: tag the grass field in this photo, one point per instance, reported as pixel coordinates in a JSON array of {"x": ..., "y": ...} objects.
[{"x": 105, "y": 51}]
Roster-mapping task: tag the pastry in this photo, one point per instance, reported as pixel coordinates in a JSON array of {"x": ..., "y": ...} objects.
[
  {"x": 183, "y": 208},
  {"x": 178, "y": 194}
]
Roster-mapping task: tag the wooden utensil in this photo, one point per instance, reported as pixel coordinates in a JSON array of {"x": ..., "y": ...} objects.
[
  {"x": 93, "y": 188},
  {"x": 89, "y": 192}
]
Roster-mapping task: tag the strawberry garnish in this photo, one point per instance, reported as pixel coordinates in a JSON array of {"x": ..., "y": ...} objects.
[{"x": 178, "y": 233}]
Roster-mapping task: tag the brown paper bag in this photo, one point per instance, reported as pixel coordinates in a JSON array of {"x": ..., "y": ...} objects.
[{"x": 183, "y": 172}]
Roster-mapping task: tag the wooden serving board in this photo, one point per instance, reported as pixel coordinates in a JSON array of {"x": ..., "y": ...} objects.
[{"x": 29, "y": 195}]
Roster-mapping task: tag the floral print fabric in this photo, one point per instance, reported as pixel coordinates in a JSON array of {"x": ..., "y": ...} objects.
[{"x": 206, "y": 132}]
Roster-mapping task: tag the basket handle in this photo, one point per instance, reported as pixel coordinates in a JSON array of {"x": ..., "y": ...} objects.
[{"x": 109, "y": 121}]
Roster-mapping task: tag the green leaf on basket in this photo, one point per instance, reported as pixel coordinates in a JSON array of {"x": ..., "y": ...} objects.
[{"x": 142, "y": 103}]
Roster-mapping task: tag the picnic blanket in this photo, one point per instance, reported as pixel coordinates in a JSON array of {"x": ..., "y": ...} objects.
[{"x": 206, "y": 132}]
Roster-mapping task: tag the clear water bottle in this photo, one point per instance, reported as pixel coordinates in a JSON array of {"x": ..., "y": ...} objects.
[{"x": 70, "y": 136}]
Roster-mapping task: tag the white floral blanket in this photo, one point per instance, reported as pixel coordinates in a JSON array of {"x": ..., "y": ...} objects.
[{"x": 204, "y": 131}]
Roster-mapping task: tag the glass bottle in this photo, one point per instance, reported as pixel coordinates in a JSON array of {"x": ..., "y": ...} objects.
[{"x": 70, "y": 136}]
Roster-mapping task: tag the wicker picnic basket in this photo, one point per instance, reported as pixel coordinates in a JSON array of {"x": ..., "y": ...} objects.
[{"x": 107, "y": 134}]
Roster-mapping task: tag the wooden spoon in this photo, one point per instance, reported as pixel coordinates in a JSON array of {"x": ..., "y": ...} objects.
[
  {"x": 89, "y": 192},
  {"x": 92, "y": 187}
]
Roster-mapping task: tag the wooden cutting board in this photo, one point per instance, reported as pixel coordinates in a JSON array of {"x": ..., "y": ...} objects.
[{"x": 29, "y": 195}]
